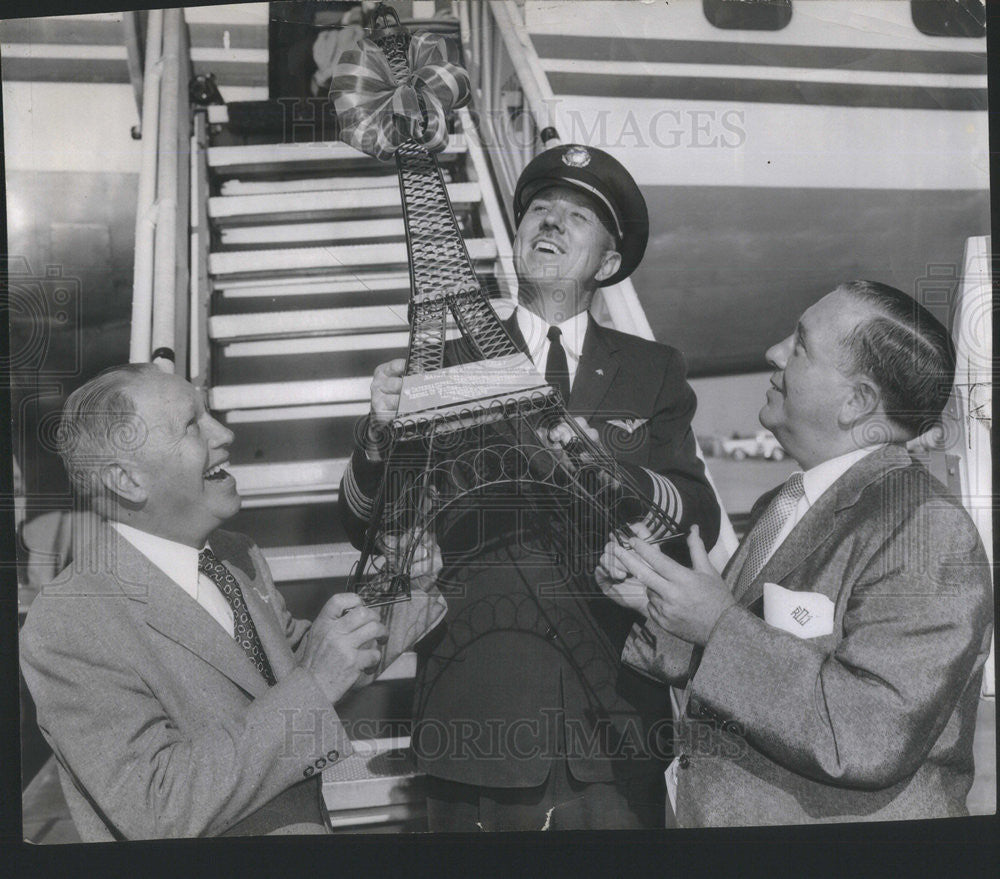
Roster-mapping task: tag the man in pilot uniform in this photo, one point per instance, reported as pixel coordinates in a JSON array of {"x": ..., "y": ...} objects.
[{"x": 524, "y": 716}]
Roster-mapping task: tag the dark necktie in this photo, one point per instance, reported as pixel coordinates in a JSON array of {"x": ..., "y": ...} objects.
[
  {"x": 245, "y": 631},
  {"x": 556, "y": 367},
  {"x": 766, "y": 530}
]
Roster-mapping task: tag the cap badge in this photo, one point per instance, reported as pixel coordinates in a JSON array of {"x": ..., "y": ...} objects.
[{"x": 576, "y": 157}]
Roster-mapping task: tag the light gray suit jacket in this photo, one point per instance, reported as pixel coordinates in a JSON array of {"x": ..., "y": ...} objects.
[
  {"x": 161, "y": 725},
  {"x": 872, "y": 722}
]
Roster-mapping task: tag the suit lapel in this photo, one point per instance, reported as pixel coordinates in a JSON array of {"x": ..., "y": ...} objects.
[
  {"x": 510, "y": 324},
  {"x": 819, "y": 523},
  {"x": 595, "y": 372},
  {"x": 175, "y": 614}
]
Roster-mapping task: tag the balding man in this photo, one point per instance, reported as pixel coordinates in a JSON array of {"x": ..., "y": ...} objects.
[
  {"x": 179, "y": 695},
  {"x": 832, "y": 673}
]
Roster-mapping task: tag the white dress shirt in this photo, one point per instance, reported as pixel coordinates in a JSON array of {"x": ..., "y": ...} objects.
[
  {"x": 180, "y": 563},
  {"x": 535, "y": 332},
  {"x": 815, "y": 482}
]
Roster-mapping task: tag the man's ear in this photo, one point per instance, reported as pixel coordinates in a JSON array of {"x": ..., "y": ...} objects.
[
  {"x": 610, "y": 264},
  {"x": 123, "y": 483},
  {"x": 864, "y": 402}
]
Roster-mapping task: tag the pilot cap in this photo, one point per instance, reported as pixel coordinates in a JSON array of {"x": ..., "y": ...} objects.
[{"x": 605, "y": 180}]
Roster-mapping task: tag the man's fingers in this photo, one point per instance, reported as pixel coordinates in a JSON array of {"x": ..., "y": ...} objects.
[
  {"x": 370, "y": 631},
  {"x": 637, "y": 567},
  {"x": 368, "y": 659},
  {"x": 640, "y": 530},
  {"x": 391, "y": 368},
  {"x": 699, "y": 556},
  {"x": 340, "y": 604},
  {"x": 610, "y": 563},
  {"x": 561, "y": 435},
  {"x": 389, "y": 386},
  {"x": 355, "y": 618},
  {"x": 662, "y": 564}
]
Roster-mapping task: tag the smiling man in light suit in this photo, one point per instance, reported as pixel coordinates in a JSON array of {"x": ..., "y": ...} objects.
[
  {"x": 832, "y": 673},
  {"x": 179, "y": 695}
]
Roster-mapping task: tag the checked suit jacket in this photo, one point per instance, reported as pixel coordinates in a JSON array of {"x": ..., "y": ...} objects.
[
  {"x": 525, "y": 668},
  {"x": 161, "y": 725},
  {"x": 873, "y": 721}
]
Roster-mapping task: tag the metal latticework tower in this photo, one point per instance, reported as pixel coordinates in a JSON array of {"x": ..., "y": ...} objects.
[{"x": 476, "y": 428}]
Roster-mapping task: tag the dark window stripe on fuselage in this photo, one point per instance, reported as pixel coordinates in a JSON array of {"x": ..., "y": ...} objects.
[
  {"x": 758, "y": 54},
  {"x": 699, "y": 88}
]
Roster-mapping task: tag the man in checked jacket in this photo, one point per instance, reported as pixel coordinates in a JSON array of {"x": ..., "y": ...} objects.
[{"x": 524, "y": 716}]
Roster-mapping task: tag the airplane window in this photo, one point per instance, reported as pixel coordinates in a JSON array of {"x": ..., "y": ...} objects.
[
  {"x": 752, "y": 15},
  {"x": 949, "y": 18}
]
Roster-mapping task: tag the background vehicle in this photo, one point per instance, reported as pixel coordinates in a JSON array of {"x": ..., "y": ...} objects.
[{"x": 761, "y": 445}]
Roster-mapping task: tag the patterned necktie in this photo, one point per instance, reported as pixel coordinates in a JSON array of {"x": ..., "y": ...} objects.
[
  {"x": 556, "y": 367},
  {"x": 245, "y": 631},
  {"x": 766, "y": 531}
]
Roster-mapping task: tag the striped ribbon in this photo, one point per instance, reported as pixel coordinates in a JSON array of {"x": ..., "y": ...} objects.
[{"x": 377, "y": 114}]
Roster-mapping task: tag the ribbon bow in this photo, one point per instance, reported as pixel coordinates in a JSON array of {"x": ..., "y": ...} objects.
[{"x": 377, "y": 114}]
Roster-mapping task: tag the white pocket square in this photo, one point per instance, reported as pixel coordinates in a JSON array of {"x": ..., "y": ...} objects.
[
  {"x": 804, "y": 614},
  {"x": 629, "y": 425}
]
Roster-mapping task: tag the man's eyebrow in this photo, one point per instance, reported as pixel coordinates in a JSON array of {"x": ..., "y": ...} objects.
[{"x": 800, "y": 332}]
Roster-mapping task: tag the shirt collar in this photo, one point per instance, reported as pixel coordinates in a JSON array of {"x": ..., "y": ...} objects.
[
  {"x": 177, "y": 560},
  {"x": 818, "y": 479},
  {"x": 535, "y": 331}
]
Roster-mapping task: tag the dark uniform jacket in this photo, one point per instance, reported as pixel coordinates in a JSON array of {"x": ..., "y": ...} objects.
[{"x": 526, "y": 666}]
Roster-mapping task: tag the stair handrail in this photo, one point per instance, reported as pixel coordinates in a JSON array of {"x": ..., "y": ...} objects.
[
  {"x": 145, "y": 215},
  {"x": 159, "y": 299}
]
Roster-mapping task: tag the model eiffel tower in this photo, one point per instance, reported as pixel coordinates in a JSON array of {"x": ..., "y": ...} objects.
[{"x": 476, "y": 428}]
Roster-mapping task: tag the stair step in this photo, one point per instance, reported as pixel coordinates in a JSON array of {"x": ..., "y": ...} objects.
[
  {"x": 294, "y": 476},
  {"x": 312, "y": 562},
  {"x": 320, "y": 345},
  {"x": 291, "y": 233},
  {"x": 285, "y": 205},
  {"x": 351, "y": 285},
  {"x": 299, "y": 393},
  {"x": 286, "y": 157},
  {"x": 297, "y": 413},
  {"x": 379, "y": 772},
  {"x": 306, "y": 184},
  {"x": 343, "y": 257},
  {"x": 363, "y": 318}
]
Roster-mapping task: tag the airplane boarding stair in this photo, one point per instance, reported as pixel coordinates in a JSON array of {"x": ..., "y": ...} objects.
[{"x": 310, "y": 283}]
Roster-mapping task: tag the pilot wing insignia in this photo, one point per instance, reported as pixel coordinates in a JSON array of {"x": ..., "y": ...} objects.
[{"x": 629, "y": 425}]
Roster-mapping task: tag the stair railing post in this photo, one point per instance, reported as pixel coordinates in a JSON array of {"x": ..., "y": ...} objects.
[
  {"x": 164, "y": 264},
  {"x": 198, "y": 344},
  {"x": 182, "y": 220},
  {"x": 132, "y": 32},
  {"x": 145, "y": 216}
]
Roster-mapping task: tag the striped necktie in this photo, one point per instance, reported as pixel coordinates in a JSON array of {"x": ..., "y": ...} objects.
[
  {"x": 244, "y": 630},
  {"x": 761, "y": 540}
]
